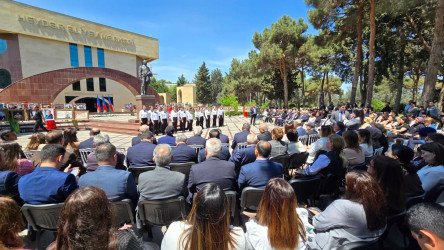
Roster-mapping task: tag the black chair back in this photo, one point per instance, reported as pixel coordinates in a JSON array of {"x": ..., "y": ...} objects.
[
  {"x": 413, "y": 200},
  {"x": 282, "y": 159},
  {"x": 136, "y": 171},
  {"x": 42, "y": 217},
  {"x": 362, "y": 166},
  {"x": 305, "y": 187},
  {"x": 184, "y": 168},
  {"x": 123, "y": 212},
  {"x": 250, "y": 198},
  {"x": 313, "y": 138},
  {"x": 297, "y": 160},
  {"x": 84, "y": 152},
  {"x": 303, "y": 139},
  {"x": 231, "y": 195},
  {"x": 197, "y": 148},
  {"x": 161, "y": 212},
  {"x": 435, "y": 194}
]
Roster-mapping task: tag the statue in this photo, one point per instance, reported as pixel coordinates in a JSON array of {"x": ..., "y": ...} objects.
[{"x": 144, "y": 75}]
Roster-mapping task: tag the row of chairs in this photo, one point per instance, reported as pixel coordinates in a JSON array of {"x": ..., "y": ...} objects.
[{"x": 308, "y": 139}]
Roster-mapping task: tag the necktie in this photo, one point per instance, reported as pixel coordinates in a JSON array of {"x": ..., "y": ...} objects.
[{"x": 340, "y": 116}]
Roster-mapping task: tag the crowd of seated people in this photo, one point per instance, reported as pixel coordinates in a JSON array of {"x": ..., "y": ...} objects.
[{"x": 344, "y": 147}]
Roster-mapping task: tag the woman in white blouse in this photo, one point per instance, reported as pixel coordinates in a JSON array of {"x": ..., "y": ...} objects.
[
  {"x": 365, "y": 141},
  {"x": 432, "y": 174},
  {"x": 207, "y": 226}
]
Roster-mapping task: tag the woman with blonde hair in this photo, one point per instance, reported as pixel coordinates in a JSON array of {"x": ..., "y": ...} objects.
[
  {"x": 13, "y": 162},
  {"x": 270, "y": 230},
  {"x": 207, "y": 226},
  {"x": 332, "y": 161},
  {"x": 35, "y": 141},
  {"x": 278, "y": 146},
  {"x": 11, "y": 224}
]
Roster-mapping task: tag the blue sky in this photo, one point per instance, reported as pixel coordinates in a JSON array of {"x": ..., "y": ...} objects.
[{"x": 189, "y": 32}]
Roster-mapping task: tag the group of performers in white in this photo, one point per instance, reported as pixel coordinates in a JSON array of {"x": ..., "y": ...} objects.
[{"x": 158, "y": 118}]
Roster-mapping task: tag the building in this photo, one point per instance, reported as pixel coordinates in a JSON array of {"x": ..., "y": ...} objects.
[{"x": 48, "y": 57}]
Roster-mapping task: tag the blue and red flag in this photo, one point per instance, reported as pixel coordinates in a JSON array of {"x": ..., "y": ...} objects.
[
  {"x": 104, "y": 105},
  {"x": 110, "y": 104},
  {"x": 98, "y": 105}
]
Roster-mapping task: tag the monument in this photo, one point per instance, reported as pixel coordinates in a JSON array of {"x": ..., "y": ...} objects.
[{"x": 145, "y": 75}]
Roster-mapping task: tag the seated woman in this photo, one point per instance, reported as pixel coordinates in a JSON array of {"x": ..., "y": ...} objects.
[
  {"x": 355, "y": 121},
  {"x": 320, "y": 144},
  {"x": 207, "y": 226},
  {"x": 391, "y": 122},
  {"x": 294, "y": 145},
  {"x": 71, "y": 141},
  {"x": 74, "y": 229},
  {"x": 414, "y": 129},
  {"x": 365, "y": 141},
  {"x": 388, "y": 173},
  {"x": 360, "y": 216},
  {"x": 268, "y": 230},
  {"x": 404, "y": 155},
  {"x": 432, "y": 174},
  {"x": 11, "y": 224},
  {"x": 403, "y": 125},
  {"x": 353, "y": 152},
  {"x": 13, "y": 162},
  {"x": 278, "y": 146},
  {"x": 339, "y": 128},
  {"x": 36, "y": 142},
  {"x": 331, "y": 162}
]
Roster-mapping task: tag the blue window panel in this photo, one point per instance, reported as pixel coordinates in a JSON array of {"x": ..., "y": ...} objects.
[
  {"x": 88, "y": 56},
  {"x": 73, "y": 54},
  {"x": 101, "y": 58}
]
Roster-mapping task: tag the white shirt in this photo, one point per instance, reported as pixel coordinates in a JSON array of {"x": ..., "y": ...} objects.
[
  {"x": 220, "y": 112},
  {"x": 172, "y": 240},
  {"x": 182, "y": 114},
  {"x": 431, "y": 176},
  {"x": 189, "y": 115},
  {"x": 214, "y": 112},
  {"x": 164, "y": 115},
  {"x": 142, "y": 114},
  {"x": 154, "y": 116},
  {"x": 148, "y": 114},
  {"x": 207, "y": 112}
]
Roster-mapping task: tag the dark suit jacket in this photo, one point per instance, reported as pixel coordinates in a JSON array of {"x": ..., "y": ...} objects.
[
  {"x": 243, "y": 157},
  {"x": 239, "y": 138},
  {"x": 224, "y": 154},
  {"x": 140, "y": 155},
  {"x": 212, "y": 170},
  {"x": 224, "y": 139},
  {"x": 266, "y": 136},
  {"x": 88, "y": 143},
  {"x": 311, "y": 132},
  {"x": 196, "y": 140},
  {"x": 170, "y": 140},
  {"x": 136, "y": 140},
  {"x": 258, "y": 173},
  {"x": 92, "y": 164},
  {"x": 123, "y": 185},
  {"x": 172, "y": 184},
  {"x": 183, "y": 153}
]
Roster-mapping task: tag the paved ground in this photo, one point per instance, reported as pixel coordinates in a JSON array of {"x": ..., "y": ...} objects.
[{"x": 231, "y": 126}]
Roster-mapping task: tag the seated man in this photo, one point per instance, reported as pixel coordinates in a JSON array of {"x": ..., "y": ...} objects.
[
  {"x": 172, "y": 182},
  {"x": 141, "y": 155},
  {"x": 182, "y": 152},
  {"x": 426, "y": 222},
  {"x": 225, "y": 152},
  {"x": 212, "y": 170},
  {"x": 47, "y": 184},
  {"x": 169, "y": 138},
  {"x": 265, "y": 134},
  {"x": 241, "y": 136},
  {"x": 310, "y": 129},
  {"x": 223, "y": 138},
  {"x": 117, "y": 184},
  {"x": 91, "y": 160},
  {"x": 258, "y": 173},
  {"x": 136, "y": 140},
  {"x": 245, "y": 155},
  {"x": 88, "y": 143},
  {"x": 197, "y": 138}
]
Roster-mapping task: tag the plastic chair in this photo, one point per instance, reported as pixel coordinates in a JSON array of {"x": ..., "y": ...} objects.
[
  {"x": 312, "y": 138},
  {"x": 123, "y": 212},
  {"x": 136, "y": 171},
  {"x": 197, "y": 148},
  {"x": 303, "y": 139},
  {"x": 241, "y": 145},
  {"x": 184, "y": 168},
  {"x": 250, "y": 198},
  {"x": 305, "y": 188},
  {"x": 282, "y": 159},
  {"x": 394, "y": 220},
  {"x": 413, "y": 200},
  {"x": 361, "y": 245},
  {"x": 436, "y": 194},
  {"x": 297, "y": 160},
  {"x": 30, "y": 153},
  {"x": 231, "y": 195},
  {"x": 84, "y": 152},
  {"x": 42, "y": 217}
]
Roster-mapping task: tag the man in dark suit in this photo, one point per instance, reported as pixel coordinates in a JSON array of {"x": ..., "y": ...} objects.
[
  {"x": 241, "y": 136},
  {"x": 136, "y": 140},
  {"x": 310, "y": 129},
  {"x": 212, "y": 170},
  {"x": 258, "y": 173},
  {"x": 197, "y": 138},
  {"x": 340, "y": 115},
  {"x": 245, "y": 155},
  {"x": 123, "y": 185},
  {"x": 141, "y": 155},
  {"x": 91, "y": 160},
  {"x": 182, "y": 152},
  {"x": 265, "y": 134},
  {"x": 168, "y": 138},
  {"x": 88, "y": 143},
  {"x": 253, "y": 114},
  {"x": 223, "y": 138},
  {"x": 225, "y": 152}
]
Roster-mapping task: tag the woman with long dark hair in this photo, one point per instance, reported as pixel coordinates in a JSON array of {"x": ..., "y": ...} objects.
[
  {"x": 353, "y": 151},
  {"x": 86, "y": 222},
  {"x": 365, "y": 141},
  {"x": 11, "y": 224},
  {"x": 360, "y": 216},
  {"x": 388, "y": 173},
  {"x": 71, "y": 141},
  {"x": 207, "y": 226},
  {"x": 12, "y": 159},
  {"x": 268, "y": 230},
  {"x": 432, "y": 174}
]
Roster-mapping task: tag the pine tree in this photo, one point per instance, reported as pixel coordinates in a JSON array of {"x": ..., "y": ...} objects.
[
  {"x": 216, "y": 81},
  {"x": 203, "y": 85}
]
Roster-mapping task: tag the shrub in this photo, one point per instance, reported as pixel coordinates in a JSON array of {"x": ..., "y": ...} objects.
[{"x": 377, "y": 105}]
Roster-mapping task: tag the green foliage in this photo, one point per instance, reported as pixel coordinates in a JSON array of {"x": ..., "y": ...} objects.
[
  {"x": 181, "y": 80},
  {"x": 265, "y": 105},
  {"x": 377, "y": 105},
  {"x": 159, "y": 85},
  {"x": 173, "y": 92},
  {"x": 253, "y": 102},
  {"x": 203, "y": 85},
  {"x": 216, "y": 81},
  {"x": 229, "y": 100}
]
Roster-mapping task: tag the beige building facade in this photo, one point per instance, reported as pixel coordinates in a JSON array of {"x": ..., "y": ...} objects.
[
  {"x": 186, "y": 94},
  {"x": 35, "y": 41}
]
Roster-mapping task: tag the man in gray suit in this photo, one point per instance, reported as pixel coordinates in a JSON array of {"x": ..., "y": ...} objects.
[
  {"x": 161, "y": 183},
  {"x": 340, "y": 115}
]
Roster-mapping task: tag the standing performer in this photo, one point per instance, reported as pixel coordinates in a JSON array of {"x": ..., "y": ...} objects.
[
  {"x": 207, "y": 116},
  {"x": 164, "y": 119},
  {"x": 155, "y": 119},
  {"x": 190, "y": 119},
  {"x": 148, "y": 116},
  {"x": 214, "y": 114},
  {"x": 143, "y": 116},
  {"x": 220, "y": 115},
  {"x": 174, "y": 117},
  {"x": 183, "y": 119}
]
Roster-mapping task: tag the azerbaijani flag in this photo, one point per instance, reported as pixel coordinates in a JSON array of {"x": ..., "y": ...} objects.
[
  {"x": 110, "y": 105},
  {"x": 104, "y": 105},
  {"x": 98, "y": 105}
]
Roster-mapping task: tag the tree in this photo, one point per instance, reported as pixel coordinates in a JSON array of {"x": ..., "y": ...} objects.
[
  {"x": 159, "y": 85},
  {"x": 203, "y": 86},
  {"x": 279, "y": 46},
  {"x": 216, "y": 81},
  {"x": 372, "y": 52},
  {"x": 181, "y": 80},
  {"x": 173, "y": 92}
]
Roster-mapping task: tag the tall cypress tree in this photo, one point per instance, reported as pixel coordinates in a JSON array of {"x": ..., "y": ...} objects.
[{"x": 203, "y": 85}]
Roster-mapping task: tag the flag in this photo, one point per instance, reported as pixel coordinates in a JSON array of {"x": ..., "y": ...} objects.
[
  {"x": 98, "y": 105},
  {"x": 104, "y": 105},
  {"x": 110, "y": 104}
]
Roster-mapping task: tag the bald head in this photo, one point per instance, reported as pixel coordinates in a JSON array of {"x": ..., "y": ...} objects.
[
  {"x": 142, "y": 128},
  {"x": 162, "y": 155},
  {"x": 251, "y": 139},
  {"x": 263, "y": 127},
  {"x": 263, "y": 149},
  {"x": 94, "y": 131}
]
